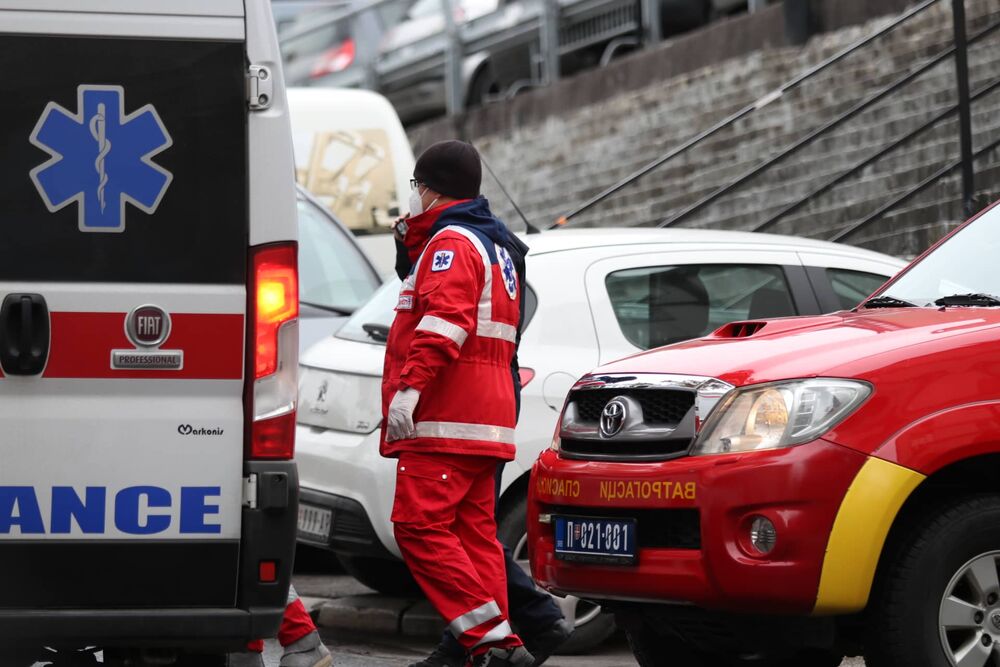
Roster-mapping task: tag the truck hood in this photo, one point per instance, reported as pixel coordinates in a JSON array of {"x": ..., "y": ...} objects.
[{"x": 845, "y": 344}]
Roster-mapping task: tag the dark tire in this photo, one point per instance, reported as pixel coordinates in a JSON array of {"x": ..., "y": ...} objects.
[
  {"x": 389, "y": 577},
  {"x": 484, "y": 85},
  {"x": 592, "y": 627},
  {"x": 942, "y": 555}
]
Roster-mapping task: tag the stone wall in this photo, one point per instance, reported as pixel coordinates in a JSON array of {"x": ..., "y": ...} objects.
[{"x": 556, "y": 147}]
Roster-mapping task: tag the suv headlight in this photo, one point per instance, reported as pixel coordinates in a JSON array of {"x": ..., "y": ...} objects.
[{"x": 778, "y": 414}]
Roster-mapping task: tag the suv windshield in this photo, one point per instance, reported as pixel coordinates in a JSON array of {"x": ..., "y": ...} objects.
[
  {"x": 333, "y": 273},
  {"x": 376, "y": 316},
  {"x": 964, "y": 265}
]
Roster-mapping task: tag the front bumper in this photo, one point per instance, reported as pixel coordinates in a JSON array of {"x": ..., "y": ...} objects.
[
  {"x": 799, "y": 489},
  {"x": 345, "y": 472}
]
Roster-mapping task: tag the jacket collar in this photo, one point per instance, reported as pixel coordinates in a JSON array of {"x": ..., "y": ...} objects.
[{"x": 419, "y": 228}]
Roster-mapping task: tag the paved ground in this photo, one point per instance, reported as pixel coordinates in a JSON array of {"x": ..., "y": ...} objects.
[{"x": 354, "y": 649}]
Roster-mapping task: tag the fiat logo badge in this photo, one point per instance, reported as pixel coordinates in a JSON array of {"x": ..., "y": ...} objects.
[
  {"x": 147, "y": 326},
  {"x": 613, "y": 417}
]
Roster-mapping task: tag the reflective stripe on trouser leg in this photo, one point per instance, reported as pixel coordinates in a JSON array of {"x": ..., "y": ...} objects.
[
  {"x": 476, "y": 617},
  {"x": 497, "y": 634}
]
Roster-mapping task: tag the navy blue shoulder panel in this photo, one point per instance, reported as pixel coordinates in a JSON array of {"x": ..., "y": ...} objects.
[{"x": 491, "y": 248}]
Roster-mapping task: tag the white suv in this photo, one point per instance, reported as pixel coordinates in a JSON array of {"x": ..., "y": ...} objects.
[{"x": 592, "y": 296}]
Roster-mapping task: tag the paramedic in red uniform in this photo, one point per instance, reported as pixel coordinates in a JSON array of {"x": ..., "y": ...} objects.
[{"x": 448, "y": 400}]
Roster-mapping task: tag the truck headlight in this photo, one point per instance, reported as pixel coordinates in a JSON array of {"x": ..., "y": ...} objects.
[{"x": 778, "y": 414}]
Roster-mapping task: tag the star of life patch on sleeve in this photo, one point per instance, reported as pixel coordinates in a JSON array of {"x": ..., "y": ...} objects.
[
  {"x": 442, "y": 260},
  {"x": 508, "y": 271}
]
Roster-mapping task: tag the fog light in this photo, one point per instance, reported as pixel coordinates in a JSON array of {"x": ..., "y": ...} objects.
[{"x": 763, "y": 536}]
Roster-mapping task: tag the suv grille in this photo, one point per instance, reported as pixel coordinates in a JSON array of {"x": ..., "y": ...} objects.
[
  {"x": 660, "y": 407},
  {"x": 625, "y": 449}
]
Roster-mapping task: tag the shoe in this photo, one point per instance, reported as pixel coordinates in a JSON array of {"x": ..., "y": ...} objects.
[
  {"x": 504, "y": 657},
  {"x": 441, "y": 657},
  {"x": 245, "y": 659},
  {"x": 543, "y": 644},
  {"x": 307, "y": 652}
]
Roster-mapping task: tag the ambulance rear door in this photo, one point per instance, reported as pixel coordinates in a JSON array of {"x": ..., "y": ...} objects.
[{"x": 125, "y": 229}]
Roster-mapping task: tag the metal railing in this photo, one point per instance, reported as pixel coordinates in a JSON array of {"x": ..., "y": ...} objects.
[{"x": 958, "y": 50}]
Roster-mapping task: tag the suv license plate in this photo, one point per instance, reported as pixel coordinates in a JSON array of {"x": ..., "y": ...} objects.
[
  {"x": 587, "y": 540},
  {"x": 315, "y": 521}
]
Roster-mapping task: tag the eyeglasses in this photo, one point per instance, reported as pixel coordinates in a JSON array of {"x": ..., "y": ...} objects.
[{"x": 414, "y": 183}]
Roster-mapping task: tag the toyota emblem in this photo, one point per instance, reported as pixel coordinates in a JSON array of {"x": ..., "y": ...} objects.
[{"x": 613, "y": 417}]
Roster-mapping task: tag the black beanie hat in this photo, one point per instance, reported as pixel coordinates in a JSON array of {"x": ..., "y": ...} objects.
[{"x": 450, "y": 168}]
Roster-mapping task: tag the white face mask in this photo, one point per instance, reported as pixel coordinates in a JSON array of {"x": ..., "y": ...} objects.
[{"x": 417, "y": 201}]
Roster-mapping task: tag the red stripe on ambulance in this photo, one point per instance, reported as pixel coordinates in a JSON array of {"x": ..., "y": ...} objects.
[{"x": 81, "y": 346}]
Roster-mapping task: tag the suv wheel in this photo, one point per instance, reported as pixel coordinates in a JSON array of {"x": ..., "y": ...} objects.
[
  {"x": 389, "y": 577},
  {"x": 937, "y": 602},
  {"x": 592, "y": 626}
]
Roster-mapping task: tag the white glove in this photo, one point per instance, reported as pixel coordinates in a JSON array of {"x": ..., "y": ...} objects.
[{"x": 399, "y": 421}]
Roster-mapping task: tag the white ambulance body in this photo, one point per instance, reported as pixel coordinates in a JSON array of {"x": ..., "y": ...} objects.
[{"x": 148, "y": 324}]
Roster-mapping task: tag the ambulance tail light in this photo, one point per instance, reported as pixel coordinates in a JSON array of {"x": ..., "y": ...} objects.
[
  {"x": 526, "y": 375},
  {"x": 273, "y": 351}
]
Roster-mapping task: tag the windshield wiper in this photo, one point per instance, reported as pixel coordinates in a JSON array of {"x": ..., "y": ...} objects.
[
  {"x": 977, "y": 299},
  {"x": 377, "y": 332},
  {"x": 887, "y": 301},
  {"x": 333, "y": 309}
]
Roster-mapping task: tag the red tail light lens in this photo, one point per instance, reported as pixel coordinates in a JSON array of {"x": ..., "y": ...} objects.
[
  {"x": 276, "y": 292},
  {"x": 526, "y": 375},
  {"x": 273, "y": 342},
  {"x": 335, "y": 60}
]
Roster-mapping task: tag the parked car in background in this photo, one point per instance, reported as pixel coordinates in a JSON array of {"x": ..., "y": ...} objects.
[
  {"x": 287, "y": 12},
  {"x": 591, "y": 296},
  {"x": 335, "y": 276},
  {"x": 336, "y": 47},
  {"x": 351, "y": 154},
  {"x": 502, "y": 45}
]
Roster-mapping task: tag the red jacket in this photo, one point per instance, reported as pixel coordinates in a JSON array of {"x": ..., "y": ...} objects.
[{"x": 454, "y": 334}]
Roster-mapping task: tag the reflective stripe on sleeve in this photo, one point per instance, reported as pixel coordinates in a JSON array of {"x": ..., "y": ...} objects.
[
  {"x": 499, "y": 633},
  {"x": 460, "y": 431},
  {"x": 474, "y": 618},
  {"x": 444, "y": 328},
  {"x": 486, "y": 327}
]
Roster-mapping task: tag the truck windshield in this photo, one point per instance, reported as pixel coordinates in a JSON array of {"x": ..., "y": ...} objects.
[{"x": 965, "y": 265}]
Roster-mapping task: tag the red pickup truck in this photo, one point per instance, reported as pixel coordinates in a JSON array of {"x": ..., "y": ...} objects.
[{"x": 791, "y": 491}]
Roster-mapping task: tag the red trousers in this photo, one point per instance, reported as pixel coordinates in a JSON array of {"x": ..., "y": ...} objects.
[
  {"x": 296, "y": 624},
  {"x": 445, "y": 526}
]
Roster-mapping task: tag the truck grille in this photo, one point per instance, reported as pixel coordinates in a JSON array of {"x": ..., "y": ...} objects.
[
  {"x": 616, "y": 450},
  {"x": 660, "y": 407}
]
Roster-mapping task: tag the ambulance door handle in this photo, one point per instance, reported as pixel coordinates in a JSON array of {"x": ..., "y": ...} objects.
[{"x": 24, "y": 334}]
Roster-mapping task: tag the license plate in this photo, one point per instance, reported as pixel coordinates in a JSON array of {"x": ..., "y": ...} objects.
[
  {"x": 589, "y": 540},
  {"x": 315, "y": 521}
]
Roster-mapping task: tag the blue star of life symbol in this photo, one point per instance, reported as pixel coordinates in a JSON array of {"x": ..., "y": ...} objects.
[
  {"x": 101, "y": 158},
  {"x": 509, "y": 274},
  {"x": 441, "y": 261}
]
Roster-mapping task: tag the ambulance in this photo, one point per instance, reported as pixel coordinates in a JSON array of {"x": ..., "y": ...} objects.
[
  {"x": 148, "y": 330},
  {"x": 786, "y": 492}
]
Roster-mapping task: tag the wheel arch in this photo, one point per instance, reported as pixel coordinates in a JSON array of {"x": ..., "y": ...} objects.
[{"x": 967, "y": 477}]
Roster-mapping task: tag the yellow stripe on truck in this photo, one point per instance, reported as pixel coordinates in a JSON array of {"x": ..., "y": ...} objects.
[{"x": 863, "y": 522}]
